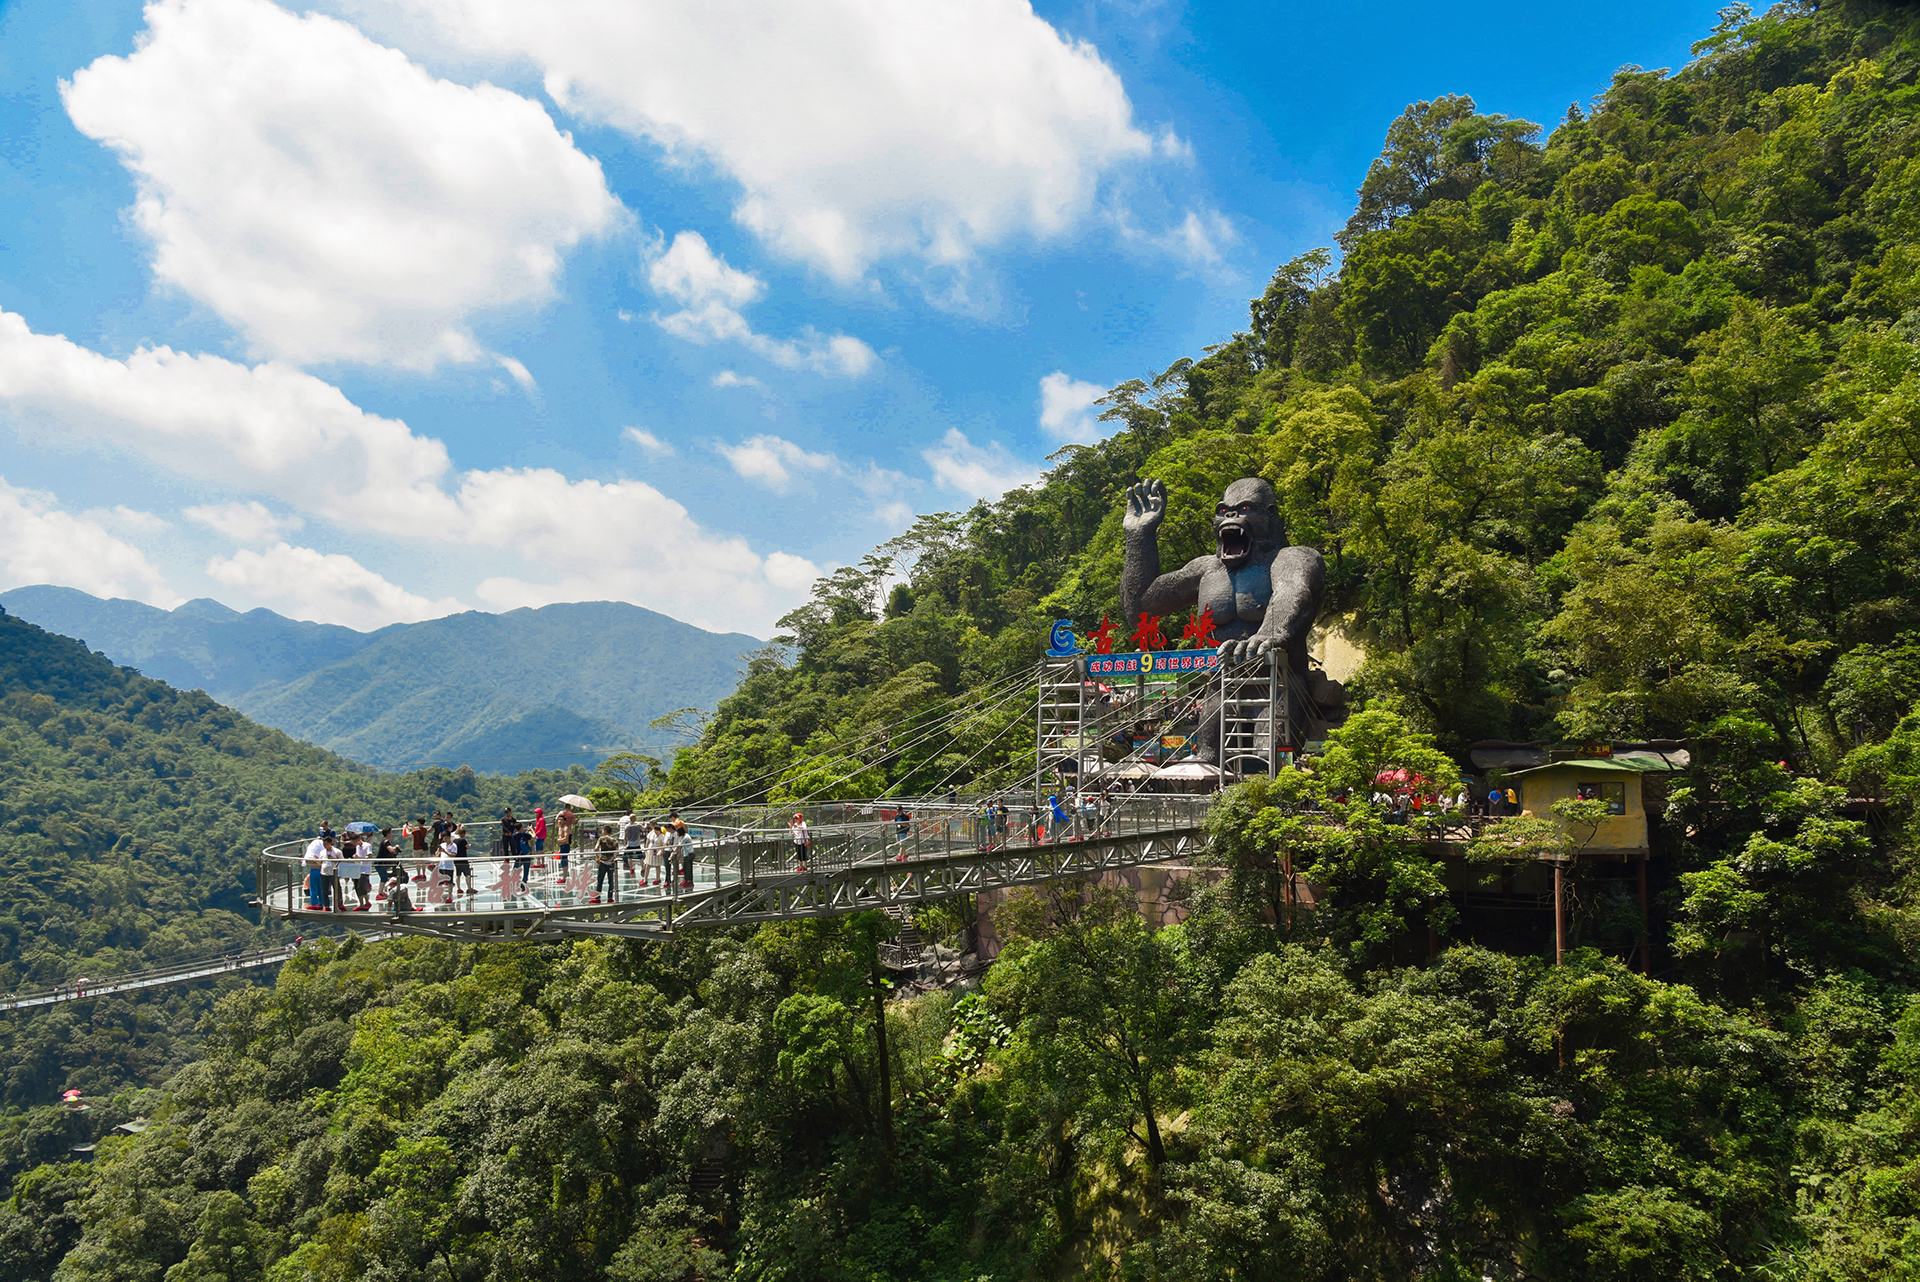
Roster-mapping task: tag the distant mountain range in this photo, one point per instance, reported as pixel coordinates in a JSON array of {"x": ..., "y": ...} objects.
[{"x": 500, "y": 692}]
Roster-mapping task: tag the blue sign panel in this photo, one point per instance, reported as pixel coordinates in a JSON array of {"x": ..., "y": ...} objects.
[{"x": 1155, "y": 663}]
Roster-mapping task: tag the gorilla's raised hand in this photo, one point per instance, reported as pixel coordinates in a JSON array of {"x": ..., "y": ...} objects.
[
  {"x": 1246, "y": 648},
  {"x": 1146, "y": 507}
]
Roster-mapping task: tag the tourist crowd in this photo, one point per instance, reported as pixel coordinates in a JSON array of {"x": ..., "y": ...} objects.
[{"x": 368, "y": 865}]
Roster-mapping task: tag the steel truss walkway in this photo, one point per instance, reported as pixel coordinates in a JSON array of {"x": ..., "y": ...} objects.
[
  {"x": 859, "y": 860},
  {"x": 159, "y": 976}
]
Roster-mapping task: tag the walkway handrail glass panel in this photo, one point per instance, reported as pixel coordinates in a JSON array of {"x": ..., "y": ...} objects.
[{"x": 845, "y": 839}]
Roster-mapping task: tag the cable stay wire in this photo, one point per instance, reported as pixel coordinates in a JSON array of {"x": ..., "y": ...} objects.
[
  {"x": 919, "y": 739},
  {"x": 1014, "y": 681},
  {"x": 1017, "y": 680}
]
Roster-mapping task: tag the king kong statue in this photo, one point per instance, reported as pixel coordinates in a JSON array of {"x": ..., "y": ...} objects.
[{"x": 1264, "y": 595}]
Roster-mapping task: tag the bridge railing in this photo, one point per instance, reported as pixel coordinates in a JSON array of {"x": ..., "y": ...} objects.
[{"x": 841, "y": 836}]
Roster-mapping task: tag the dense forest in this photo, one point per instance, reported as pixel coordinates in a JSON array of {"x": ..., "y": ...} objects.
[{"x": 1608, "y": 433}]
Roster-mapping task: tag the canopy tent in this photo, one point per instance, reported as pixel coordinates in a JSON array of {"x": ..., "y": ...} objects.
[
  {"x": 1190, "y": 770},
  {"x": 1126, "y": 770}
]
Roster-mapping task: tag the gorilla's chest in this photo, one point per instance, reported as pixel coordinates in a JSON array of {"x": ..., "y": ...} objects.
[{"x": 1238, "y": 598}]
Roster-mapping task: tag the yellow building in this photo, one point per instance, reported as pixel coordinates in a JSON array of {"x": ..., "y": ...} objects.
[{"x": 1623, "y": 833}]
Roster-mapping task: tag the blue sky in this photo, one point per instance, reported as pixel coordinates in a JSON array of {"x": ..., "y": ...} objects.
[{"x": 397, "y": 307}]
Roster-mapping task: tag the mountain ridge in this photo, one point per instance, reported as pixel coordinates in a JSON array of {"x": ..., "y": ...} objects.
[{"x": 544, "y": 686}]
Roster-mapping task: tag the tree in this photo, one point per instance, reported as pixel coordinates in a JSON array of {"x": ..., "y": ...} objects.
[{"x": 1096, "y": 1001}]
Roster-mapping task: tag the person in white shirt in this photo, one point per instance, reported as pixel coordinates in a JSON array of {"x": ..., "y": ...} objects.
[
  {"x": 314, "y": 861},
  {"x": 656, "y": 856},
  {"x": 449, "y": 854},
  {"x": 363, "y": 872},
  {"x": 802, "y": 841}
]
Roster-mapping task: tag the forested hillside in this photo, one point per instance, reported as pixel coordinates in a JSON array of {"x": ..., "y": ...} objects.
[
  {"x": 130, "y": 813},
  {"x": 1607, "y": 433},
  {"x": 1612, "y": 431}
]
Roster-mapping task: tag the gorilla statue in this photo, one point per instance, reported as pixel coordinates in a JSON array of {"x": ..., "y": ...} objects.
[{"x": 1264, "y": 594}]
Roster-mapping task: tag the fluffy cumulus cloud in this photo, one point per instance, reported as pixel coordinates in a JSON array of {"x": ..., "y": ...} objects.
[
  {"x": 775, "y": 462},
  {"x": 711, "y": 294},
  {"x": 286, "y": 436},
  {"x": 857, "y": 129},
  {"x": 249, "y": 522},
  {"x": 324, "y": 585},
  {"x": 1067, "y": 409},
  {"x": 976, "y": 471},
  {"x": 628, "y": 541},
  {"x": 326, "y": 196},
  {"x": 39, "y": 543}
]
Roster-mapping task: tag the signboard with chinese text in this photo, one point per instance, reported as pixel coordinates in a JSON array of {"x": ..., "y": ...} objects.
[{"x": 1156, "y": 665}]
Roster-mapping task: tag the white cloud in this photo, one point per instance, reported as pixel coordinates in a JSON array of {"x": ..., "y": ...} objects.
[
  {"x": 520, "y": 373},
  {"x": 1067, "y": 408},
  {"x": 777, "y": 464},
  {"x": 791, "y": 573},
  {"x": 123, "y": 517},
  {"x": 326, "y": 587},
  {"x": 327, "y": 197},
  {"x": 1200, "y": 238},
  {"x": 269, "y": 429},
  {"x": 627, "y": 541},
  {"x": 41, "y": 544},
  {"x": 649, "y": 442},
  {"x": 287, "y": 436},
  {"x": 974, "y": 471},
  {"x": 858, "y": 130},
  {"x": 693, "y": 273},
  {"x": 711, "y": 294},
  {"x": 249, "y": 522},
  {"x": 772, "y": 461},
  {"x": 727, "y": 378}
]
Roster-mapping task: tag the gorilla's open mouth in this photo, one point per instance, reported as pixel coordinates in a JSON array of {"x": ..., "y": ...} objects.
[{"x": 1233, "y": 543}]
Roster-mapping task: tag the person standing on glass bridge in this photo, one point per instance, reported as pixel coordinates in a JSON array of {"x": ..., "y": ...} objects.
[
  {"x": 802, "y": 840},
  {"x": 318, "y": 852},
  {"x": 683, "y": 848},
  {"x": 605, "y": 852},
  {"x": 1059, "y": 816},
  {"x": 565, "y": 826}
]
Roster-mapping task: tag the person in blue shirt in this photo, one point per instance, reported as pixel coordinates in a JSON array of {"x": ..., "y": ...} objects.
[{"x": 1060, "y": 820}]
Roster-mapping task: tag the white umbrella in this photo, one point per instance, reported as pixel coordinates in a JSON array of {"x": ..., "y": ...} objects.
[
  {"x": 575, "y": 799},
  {"x": 1128, "y": 770},
  {"x": 1190, "y": 770}
]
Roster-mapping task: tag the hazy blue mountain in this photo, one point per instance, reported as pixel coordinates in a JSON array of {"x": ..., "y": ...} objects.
[
  {"x": 527, "y": 684},
  {"x": 501, "y": 692},
  {"x": 201, "y": 645}
]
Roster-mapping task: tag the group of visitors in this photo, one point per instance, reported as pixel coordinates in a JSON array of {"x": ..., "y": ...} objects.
[
  {"x": 1502, "y": 801},
  {"x": 1081, "y": 813},
  {"x": 361, "y": 866},
  {"x": 662, "y": 848}
]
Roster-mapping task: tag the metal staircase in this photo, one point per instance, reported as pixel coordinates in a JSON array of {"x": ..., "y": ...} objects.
[{"x": 904, "y": 950}]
